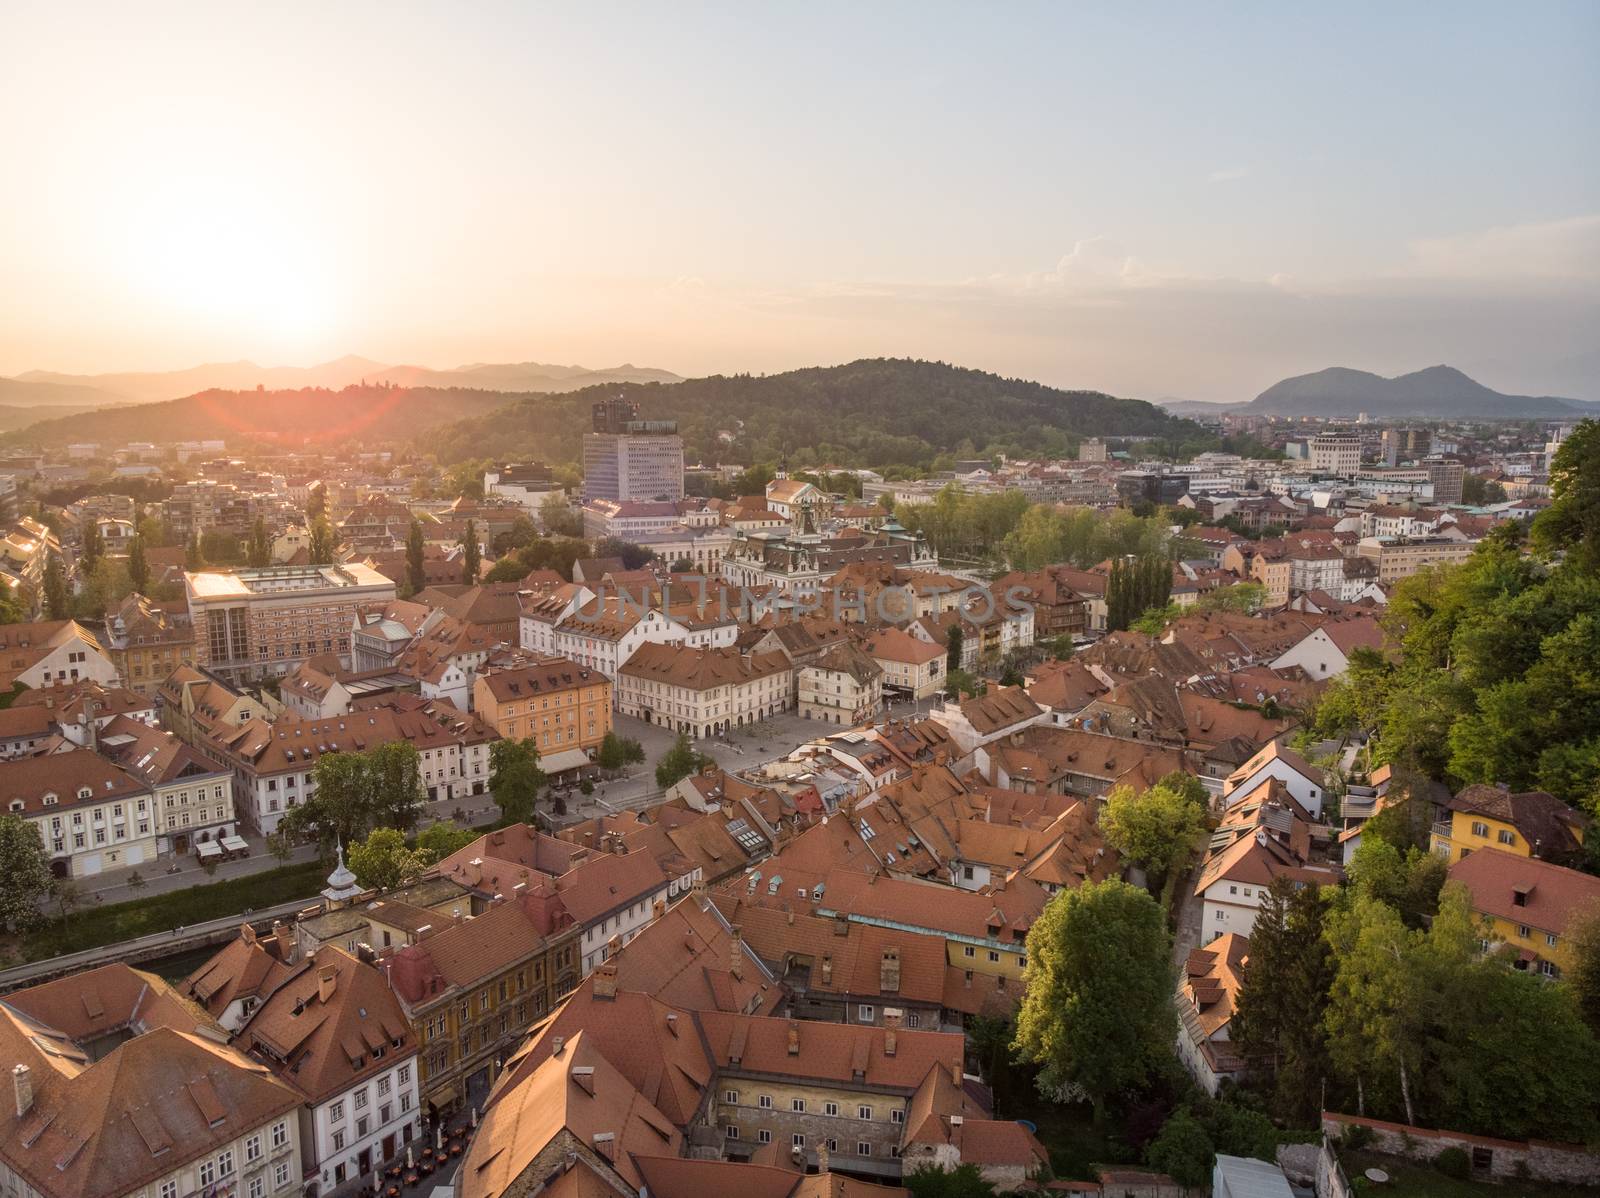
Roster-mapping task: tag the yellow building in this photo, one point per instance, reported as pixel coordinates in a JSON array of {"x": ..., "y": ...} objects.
[
  {"x": 472, "y": 990},
  {"x": 1529, "y": 824},
  {"x": 563, "y": 706},
  {"x": 147, "y": 645},
  {"x": 1528, "y": 904}
]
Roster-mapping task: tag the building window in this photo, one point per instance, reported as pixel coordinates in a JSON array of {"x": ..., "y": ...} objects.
[
  {"x": 336, "y": 1111},
  {"x": 731, "y": 1132},
  {"x": 830, "y": 1108},
  {"x": 225, "y": 1163},
  {"x": 993, "y": 956},
  {"x": 338, "y": 1139},
  {"x": 1523, "y": 931},
  {"x": 764, "y": 1136},
  {"x": 1479, "y": 828},
  {"x": 280, "y": 1175},
  {"x": 280, "y": 1134},
  {"x": 765, "y": 1102},
  {"x": 1507, "y": 837},
  {"x": 897, "y": 1115},
  {"x": 252, "y": 1149},
  {"x": 208, "y": 1173},
  {"x": 863, "y": 1112},
  {"x": 257, "y": 1188},
  {"x": 798, "y": 1105},
  {"x": 798, "y": 1140},
  {"x": 866, "y": 1012},
  {"x": 169, "y": 1189},
  {"x": 731, "y": 1096},
  {"x": 863, "y": 1148}
]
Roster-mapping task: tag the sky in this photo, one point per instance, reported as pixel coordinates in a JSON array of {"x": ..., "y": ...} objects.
[{"x": 1159, "y": 200}]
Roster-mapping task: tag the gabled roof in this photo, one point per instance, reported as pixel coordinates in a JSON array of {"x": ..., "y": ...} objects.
[
  {"x": 576, "y": 1091},
  {"x": 333, "y": 1022},
  {"x": 1551, "y": 828},
  {"x": 1525, "y": 890}
]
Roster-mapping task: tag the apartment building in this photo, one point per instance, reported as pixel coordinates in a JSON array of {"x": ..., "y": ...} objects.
[
  {"x": 1401, "y": 557},
  {"x": 334, "y": 1031},
  {"x": 913, "y": 668},
  {"x": 626, "y": 458},
  {"x": 52, "y": 653},
  {"x": 844, "y": 686},
  {"x": 120, "y": 1090},
  {"x": 274, "y": 764},
  {"x": 703, "y": 692},
  {"x": 191, "y": 794},
  {"x": 146, "y": 644},
  {"x": 254, "y": 623},
  {"x": 563, "y": 706},
  {"x": 1336, "y": 453},
  {"x": 472, "y": 989},
  {"x": 91, "y": 814}
]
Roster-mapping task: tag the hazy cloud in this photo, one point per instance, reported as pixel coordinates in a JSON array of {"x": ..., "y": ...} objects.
[
  {"x": 1559, "y": 249},
  {"x": 1228, "y": 175}
]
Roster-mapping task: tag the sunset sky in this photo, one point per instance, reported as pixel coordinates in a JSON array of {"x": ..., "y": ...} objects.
[{"x": 1188, "y": 200}]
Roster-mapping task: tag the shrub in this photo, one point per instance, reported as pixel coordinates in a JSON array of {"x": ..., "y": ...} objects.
[{"x": 1453, "y": 1162}]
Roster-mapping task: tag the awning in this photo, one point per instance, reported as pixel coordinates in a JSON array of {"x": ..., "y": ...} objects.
[
  {"x": 443, "y": 1097},
  {"x": 566, "y": 759},
  {"x": 235, "y": 844},
  {"x": 208, "y": 848}
]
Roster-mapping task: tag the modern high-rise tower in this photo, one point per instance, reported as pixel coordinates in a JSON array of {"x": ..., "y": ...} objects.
[{"x": 626, "y": 458}]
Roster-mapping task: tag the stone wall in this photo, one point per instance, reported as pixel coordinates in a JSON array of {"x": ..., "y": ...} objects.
[{"x": 1568, "y": 1164}]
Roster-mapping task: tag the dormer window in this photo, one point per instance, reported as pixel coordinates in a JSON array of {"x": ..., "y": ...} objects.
[{"x": 49, "y": 800}]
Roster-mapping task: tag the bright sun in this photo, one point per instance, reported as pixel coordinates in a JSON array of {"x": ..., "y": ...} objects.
[{"x": 224, "y": 254}]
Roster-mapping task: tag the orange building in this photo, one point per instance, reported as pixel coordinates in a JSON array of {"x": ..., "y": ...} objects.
[{"x": 562, "y": 705}]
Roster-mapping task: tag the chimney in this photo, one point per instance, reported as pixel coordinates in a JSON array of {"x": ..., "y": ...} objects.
[
  {"x": 736, "y": 951},
  {"x": 889, "y": 1043},
  {"x": 326, "y": 977},
  {"x": 889, "y": 971},
  {"x": 658, "y": 908},
  {"x": 893, "y": 1017},
  {"x": 605, "y": 1145},
  {"x": 583, "y": 1078},
  {"x": 827, "y": 970},
  {"x": 247, "y": 934},
  {"x": 605, "y": 980},
  {"x": 672, "y": 1023},
  {"x": 557, "y": 1043},
  {"x": 22, "y": 1082},
  {"x": 794, "y": 1039},
  {"x": 281, "y": 933},
  {"x": 822, "y": 1157}
]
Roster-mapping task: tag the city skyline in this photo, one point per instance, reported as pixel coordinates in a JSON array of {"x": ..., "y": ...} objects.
[{"x": 1174, "y": 203}]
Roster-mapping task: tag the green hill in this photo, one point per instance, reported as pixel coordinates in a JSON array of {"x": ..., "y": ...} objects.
[{"x": 873, "y": 412}]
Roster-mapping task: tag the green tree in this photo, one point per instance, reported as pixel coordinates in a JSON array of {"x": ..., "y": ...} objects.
[
  {"x": 1060, "y": 647},
  {"x": 383, "y": 860},
  {"x": 516, "y": 778},
  {"x": 1182, "y": 1150},
  {"x": 24, "y": 874},
  {"x": 609, "y": 755},
  {"x": 1572, "y": 521},
  {"x": 138, "y": 566},
  {"x": 1159, "y": 829},
  {"x": 416, "y": 572},
  {"x": 12, "y": 609},
  {"x": 678, "y": 762},
  {"x": 953, "y": 649},
  {"x": 1244, "y": 597},
  {"x": 1408, "y": 881},
  {"x": 194, "y": 557},
  {"x": 322, "y": 543},
  {"x": 960, "y": 682},
  {"x": 358, "y": 792},
  {"x": 438, "y": 840},
  {"x": 1097, "y": 1010},
  {"x": 558, "y": 519},
  {"x": 56, "y": 599},
  {"x": 1582, "y": 976},
  {"x": 260, "y": 552},
  {"x": 471, "y": 555},
  {"x": 1286, "y": 983},
  {"x": 316, "y": 504},
  {"x": 929, "y": 1180},
  {"x": 94, "y": 545},
  {"x": 1154, "y": 620}
]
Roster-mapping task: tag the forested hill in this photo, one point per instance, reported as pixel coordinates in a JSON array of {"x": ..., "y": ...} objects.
[
  {"x": 874, "y": 412},
  {"x": 308, "y": 415}
]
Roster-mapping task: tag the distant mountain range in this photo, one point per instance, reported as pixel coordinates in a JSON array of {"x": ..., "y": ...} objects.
[
  {"x": 42, "y": 387},
  {"x": 1437, "y": 393}
]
